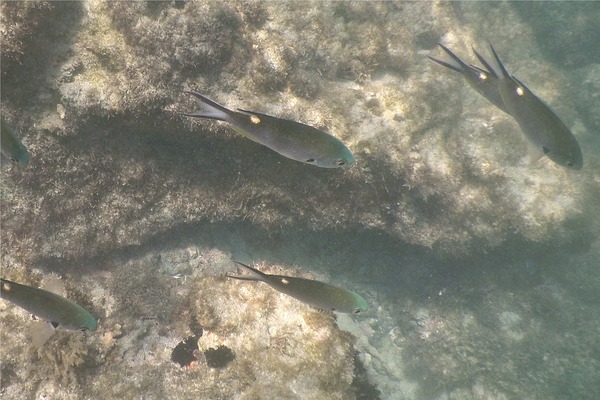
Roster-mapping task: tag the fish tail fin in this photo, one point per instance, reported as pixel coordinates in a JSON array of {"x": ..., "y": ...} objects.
[
  {"x": 446, "y": 64},
  {"x": 486, "y": 64},
  {"x": 256, "y": 274},
  {"x": 210, "y": 109},
  {"x": 500, "y": 65},
  {"x": 498, "y": 68},
  {"x": 458, "y": 64}
]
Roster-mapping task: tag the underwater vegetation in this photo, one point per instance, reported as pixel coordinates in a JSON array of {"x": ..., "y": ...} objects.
[{"x": 479, "y": 268}]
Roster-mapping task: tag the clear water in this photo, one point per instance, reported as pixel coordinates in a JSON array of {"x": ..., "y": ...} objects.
[{"x": 481, "y": 270}]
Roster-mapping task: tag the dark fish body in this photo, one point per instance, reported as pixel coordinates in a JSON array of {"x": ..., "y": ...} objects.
[
  {"x": 11, "y": 146},
  {"x": 539, "y": 123},
  {"x": 291, "y": 139},
  {"x": 317, "y": 294},
  {"x": 48, "y": 306},
  {"x": 484, "y": 82}
]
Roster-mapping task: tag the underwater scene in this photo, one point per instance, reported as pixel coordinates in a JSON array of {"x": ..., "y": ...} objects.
[{"x": 300, "y": 200}]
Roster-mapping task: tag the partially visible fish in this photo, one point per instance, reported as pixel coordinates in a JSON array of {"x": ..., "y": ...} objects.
[
  {"x": 317, "y": 294},
  {"x": 49, "y": 306},
  {"x": 484, "y": 82},
  {"x": 11, "y": 146},
  {"x": 546, "y": 133},
  {"x": 291, "y": 139}
]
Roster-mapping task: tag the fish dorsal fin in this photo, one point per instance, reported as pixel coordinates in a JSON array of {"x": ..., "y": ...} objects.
[{"x": 55, "y": 285}]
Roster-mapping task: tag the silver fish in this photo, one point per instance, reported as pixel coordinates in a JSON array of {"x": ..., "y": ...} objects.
[
  {"x": 291, "y": 139},
  {"x": 48, "y": 306},
  {"x": 484, "y": 82},
  {"x": 11, "y": 146},
  {"x": 546, "y": 133},
  {"x": 317, "y": 294}
]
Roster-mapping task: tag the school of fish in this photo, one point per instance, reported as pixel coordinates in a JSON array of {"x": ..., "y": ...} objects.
[{"x": 546, "y": 133}]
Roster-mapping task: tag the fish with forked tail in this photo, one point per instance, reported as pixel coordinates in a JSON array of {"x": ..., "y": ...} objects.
[
  {"x": 56, "y": 309},
  {"x": 546, "y": 133},
  {"x": 11, "y": 145},
  {"x": 484, "y": 82},
  {"x": 317, "y": 294},
  {"x": 291, "y": 139}
]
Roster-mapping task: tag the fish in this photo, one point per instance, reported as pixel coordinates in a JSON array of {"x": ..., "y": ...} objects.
[
  {"x": 291, "y": 139},
  {"x": 484, "y": 82},
  {"x": 56, "y": 309},
  {"x": 546, "y": 133},
  {"x": 11, "y": 146},
  {"x": 315, "y": 293}
]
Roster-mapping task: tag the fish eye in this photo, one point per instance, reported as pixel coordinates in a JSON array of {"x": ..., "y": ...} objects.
[
  {"x": 357, "y": 311},
  {"x": 83, "y": 329},
  {"x": 13, "y": 160},
  {"x": 310, "y": 160},
  {"x": 341, "y": 162}
]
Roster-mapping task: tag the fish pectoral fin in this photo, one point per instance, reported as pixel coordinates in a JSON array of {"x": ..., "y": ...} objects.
[
  {"x": 320, "y": 310},
  {"x": 545, "y": 150},
  {"x": 41, "y": 332},
  {"x": 534, "y": 152}
]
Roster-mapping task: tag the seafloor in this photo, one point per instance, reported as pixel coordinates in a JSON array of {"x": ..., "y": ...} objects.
[{"x": 481, "y": 269}]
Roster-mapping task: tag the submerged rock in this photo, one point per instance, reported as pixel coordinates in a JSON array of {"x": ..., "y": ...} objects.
[
  {"x": 115, "y": 163},
  {"x": 119, "y": 183}
]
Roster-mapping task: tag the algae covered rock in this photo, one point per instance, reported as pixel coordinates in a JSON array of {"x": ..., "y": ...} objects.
[
  {"x": 115, "y": 162},
  {"x": 292, "y": 351},
  {"x": 473, "y": 258}
]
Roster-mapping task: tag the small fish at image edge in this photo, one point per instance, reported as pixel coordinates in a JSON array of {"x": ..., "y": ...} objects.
[
  {"x": 49, "y": 306},
  {"x": 11, "y": 145}
]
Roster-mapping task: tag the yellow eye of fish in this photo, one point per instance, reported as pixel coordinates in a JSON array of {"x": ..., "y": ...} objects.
[
  {"x": 520, "y": 91},
  {"x": 284, "y": 281},
  {"x": 254, "y": 119}
]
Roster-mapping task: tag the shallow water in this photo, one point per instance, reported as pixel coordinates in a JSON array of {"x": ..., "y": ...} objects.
[{"x": 480, "y": 269}]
